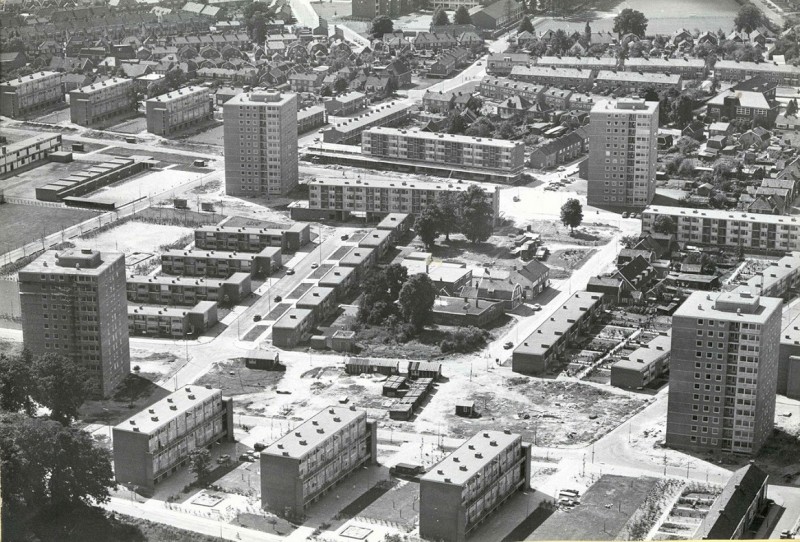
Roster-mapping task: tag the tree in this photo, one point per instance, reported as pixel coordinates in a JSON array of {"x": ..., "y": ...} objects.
[
  {"x": 462, "y": 16},
  {"x": 16, "y": 384},
  {"x": 376, "y": 302},
  {"x": 426, "y": 225},
  {"x": 447, "y": 210},
  {"x": 325, "y": 91},
  {"x": 482, "y": 127},
  {"x": 630, "y": 21},
  {"x": 525, "y": 25},
  {"x": 440, "y": 17},
  {"x": 396, "y": 275},
  {"x": 587, "y": 33},
  {"x": 200, "y": 464},
  {"x": 60, "y": 385},
  {"x": 560, "y": 42},
  {"x": 664, "y": 224},
  {"x": 455, "y": 123},
  {"x": 340, "y": 85},
  {"x": 380, "y": 26},
  {"x": 572, "y": 214},
  {"x": 477, "y": 214},
  {"x": 506, "y": 130},
  {"x": 749, "y": 18},
  {"x": 416, "y": 300},
  {"x": 45, "y": 464},
  {"x": 683, "y": 110},
  {"x": 791, "y": 108},
  {"x": 649, "y": 94}
]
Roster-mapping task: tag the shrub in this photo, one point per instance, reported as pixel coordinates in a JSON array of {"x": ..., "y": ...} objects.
[{"x": 465, "y": 340}]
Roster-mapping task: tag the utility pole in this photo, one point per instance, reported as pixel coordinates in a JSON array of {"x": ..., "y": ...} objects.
[{"x": 665, "y": 463}]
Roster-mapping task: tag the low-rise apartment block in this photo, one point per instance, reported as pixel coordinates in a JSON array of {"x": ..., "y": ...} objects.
[
  {"x": 457, "y": 494},
  {"x": 249, "y": 239},
  {"x": 178, "y": 110},
  {"x": 575, "y": 78},
  {"x": 222, "y": 264},
  {"x": 98, "y": 102},
  {"x": 348, "y": 132},
  {"x": 551, "y": 338},
  {"x": 590, "y": 63},
  {"x": 292, "y": 327},
  {"x": 501, "y": 88},
  {"x": 304, "y": 464},
  {"x": 311, "y": 118},
  {"x": 734, "y": 70},
  {"x": 688, "y": 68},
  {"x": 751, "y": 231},
  {"x": 163, "y": 290},
  {"x": 644, "y": 365},
  {"x": 634, "y": 82},
  {"x": 345, "y": 104},
  {"x": 339, "y": 198},
  {"x": 28, "y": 151},
  {"x": 458, "y": 150},
  {"x": 172, "y": 322},
  {"x": 503, "y": 63},
  {"x": 339, "y": 278},
  {"x": 321, "y": 301},
  {"x": 397, "y": 223},
  {"x": 30, "y": 93},
  {"x": 156, "y": 442}
]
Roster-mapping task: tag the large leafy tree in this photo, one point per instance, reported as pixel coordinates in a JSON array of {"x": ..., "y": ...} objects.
[
  {"x": 525, "y": 25},
  {"x": 381, "y": 25},
  {"x": 427, "y": 226},
  {"x": 630, "y": 21},
  {"x": 477, "y": 214},
  {"x": 16, "y": 384},
  {"x": 396, "y": 275},
  {"x": 462, "y": 16},
  {"x": 749, "y": 18},
  {"x": 572, "y": 214},
  {"x": 200, "y": 464},
  {"x": 416, "y": 300},
  {"x": 664, "y": 224},
  {"x": 256, "y": 15},
  {"x": 440, "y": 17},
  {"x": 448, "y": 212},
  {"x": 60, "y": 385},
  {"x": 482, "y": 127}
]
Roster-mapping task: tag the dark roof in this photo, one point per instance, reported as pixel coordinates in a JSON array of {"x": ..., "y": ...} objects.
[
  {"x": 634, "y": 268},
  {"x": 533, "y": 270},
  {"x": 730, "y": 507}
]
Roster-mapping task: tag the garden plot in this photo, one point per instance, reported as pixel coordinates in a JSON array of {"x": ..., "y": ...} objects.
[{"x": 687, "y": 512}]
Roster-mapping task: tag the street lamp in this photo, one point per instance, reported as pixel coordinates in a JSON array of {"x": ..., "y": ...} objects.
[{"x": 321, "y": 220}]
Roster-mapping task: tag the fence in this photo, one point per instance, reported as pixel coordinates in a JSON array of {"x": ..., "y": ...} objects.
[
  {"x": 36, "y": 202},
  {"x": 99, "y": 221}
]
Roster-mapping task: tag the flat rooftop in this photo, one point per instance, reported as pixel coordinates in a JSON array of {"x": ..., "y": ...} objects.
[
  {"x": 457, "y": 305},
  {"x": 219, "y": 254},
  {"x": 357, "y": 124},
  {"x": 315, "y": 296},
  {"x": 562, "y": 319},
  {"x": 97, "y": 87},
  {"x": 292, "y": 318},
  {"x": 20, "y": 144},
  {"x": 179, "y": 93},
  {"x": 417, "y": 184},
  {"x": 162, "y": 413},
  {"x": 22, "y": 80},
  {"x": 471, "y": 457},
  {"x": 336, "y": 276},
  {"x": 646, "y": 355},
  {"x": 432, "y": 136},
  {"x": 314, "y": 432},
  {"x": 717, "y": 214},
  {"x": 639, "y": 77},
  {"x": 391, "y": 221},
  {"x": 625, "y": 105},
  {"x": 740, "y": 305},
  {"x": 261, "y": 97},
  {"x": 187, "y": 281},
  {"x": 72, "y": 262},
  {"x": 551, "y": 71},
  {"x": 375, "y": 238},
  {"x": 356, "y": 256}
]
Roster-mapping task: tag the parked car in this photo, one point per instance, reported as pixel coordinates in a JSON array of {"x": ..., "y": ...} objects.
[
  {"x": 256, "y": 318},
  {"x": 258, "y": 446},
  {"x": 246, "y": 457},
  {"x": 223, "y": 459},
  {"x": 508, "y": 345},
  {"x": 314, "y": 265},
  {"x": 625, "y": 214},
  {"x": 537, "y": 307},
  {"x": 290, "y": 271},
  {"x": 278, "y": 299}
]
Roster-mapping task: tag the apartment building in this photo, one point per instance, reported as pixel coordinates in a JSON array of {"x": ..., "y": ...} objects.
[
  {"x": 292, "y": 327},
  {"x": 311, "y": 118},
  {"x": 753, "y": 99},
  {"x": 28, "y": 151},
  {"x": 30, "y": 93},
  {"x": 733, "y": 70},
  {"x": 73, "y": 304},
  {"x": 348, "y": 132},
  {"x": 163, "y": 290},
  {"x": 340, "y": 198},
  {"x": 178, "y": 110},
  {"x": 172, "y": 322},
  {"x": 789, "y": 354},
  {"x": 247, "y": 239},
  {"x": 260, "y": 143},
  {"x": 345, "y": 104},
  {"x": 457, "y": 494},
  {"x": 99, "y": 102},
  {"x": 590, "y": 63},
  {"x": 644, "y": 365},
  {"x": 221, "y": 264},
  {"x": 501, "y": 88},
  {"x": 156, "y": 442},
  {"x": 553, "y": 336},
  {"x": 305, "y": 463},
  {"x": 751, "y": 231},
  {"x": 723, "y": 371},
  {"x": 553, "y": 76},
  {"x": 503, "y": 63},
  {"x": 452, "y": 149},
  {"x": 622, "y": 153},
  {"x": 634, "y": 82},
  {"x": 688, "y": 68}
]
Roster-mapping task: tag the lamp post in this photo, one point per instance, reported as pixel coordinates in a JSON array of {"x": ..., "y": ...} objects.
[{"x": 319, "y": 247}]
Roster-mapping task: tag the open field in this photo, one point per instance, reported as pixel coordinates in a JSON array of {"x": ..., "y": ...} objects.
[
  {"x": 9, "y": 304},
  {"x": 212, "y": 136},
  {"x": 138, "y": 240},
  {"x": 22, "y": 224},
  {"x": 130, "y": 126},
  {"x": 233, "y": 378}
]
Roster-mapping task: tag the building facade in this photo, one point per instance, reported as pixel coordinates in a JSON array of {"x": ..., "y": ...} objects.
[
  {"x": 457, "y": 494},
  {"x": 212, "y": 263},
  {"x": 172, "y": 322},
  {"x": 30, "y": 93},
  {"x": 751, "y": 231},
  {"x": 622, "y": 153},
  {"x": 348, "y": 131},
  {"x": 458, "y": 150},
  {"x": 178, "y": 110},
  {"x": 73, "y": 304},
  {"x": 305, "y": 463},
  {"x": 260, "y": 144},
  {"x": 162, "y": 290},
  {"x": 156, "y": 442},
  {"x": 246, "y": 239},
  {"x": 98, "y": 102},
  {"x": 723, "y": 371},
  {"x": 28, "y": 151}
]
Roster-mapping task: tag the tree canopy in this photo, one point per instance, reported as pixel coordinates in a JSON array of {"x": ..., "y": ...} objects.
[
  {"x": 664, "y": 224},
  {"x": 477, "y": 214},
  {"x": 416, "y": 300},
  {"x": 440, "y": 17},
  {"x": 380, "y": 26},
  {"x": 427, "y": 226},
  {"x": 572, "y": 214},
  {"x": 462, "y": 16},
  {"x": 630, "y": 21},
  {"x": 749, "y": 18},
  {"x": 16, "y": 384},
  {"x": 525, "y": 25},
  {"x": 448, "y": 212},
  {"x": 60, "y": 385}
]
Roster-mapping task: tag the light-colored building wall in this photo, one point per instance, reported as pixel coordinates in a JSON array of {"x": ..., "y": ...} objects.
[
  {"x": 178, "y": 110},
  {"x": 29, "y": 93},
  {"x": 101, "y": 101}
]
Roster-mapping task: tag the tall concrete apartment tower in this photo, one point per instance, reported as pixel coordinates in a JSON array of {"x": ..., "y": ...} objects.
[
  {"x": 260, "y": 143},
  {"x": 74, "y": 304},
  {"x": 622, "y": 153},
  {"x": 723, "y": 371}
]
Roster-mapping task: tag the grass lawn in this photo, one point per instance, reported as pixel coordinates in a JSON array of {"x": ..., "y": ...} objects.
[
  {"x": 22, "y": 224},
  {"x": 396, "y": 505}
]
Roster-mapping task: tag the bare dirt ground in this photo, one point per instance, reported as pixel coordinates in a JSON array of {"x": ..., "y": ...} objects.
[{"x": 233, "y": 378}]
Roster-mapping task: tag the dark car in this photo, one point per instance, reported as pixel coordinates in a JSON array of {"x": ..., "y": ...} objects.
[
  {"x": 278, "y": 299},
  {"x": 257, "y": 318},
  {"x": 508, "y": 345}
]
